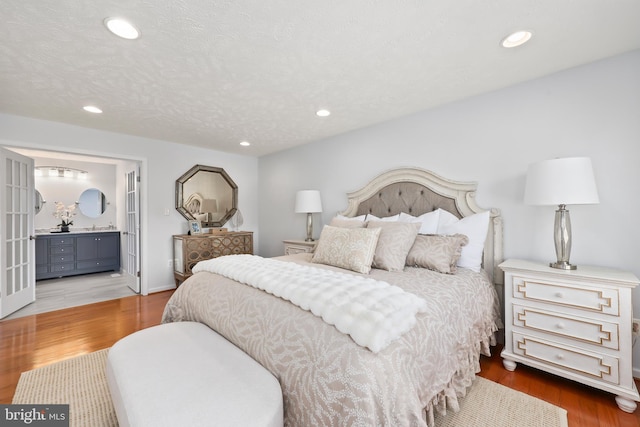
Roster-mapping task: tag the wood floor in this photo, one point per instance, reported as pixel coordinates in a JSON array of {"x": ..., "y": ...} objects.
[{"x": 33, "y": 341}]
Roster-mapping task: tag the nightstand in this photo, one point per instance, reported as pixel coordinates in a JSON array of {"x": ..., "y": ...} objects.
[
  {"x": 573, "y": 323},
  {"x": 298, "y": 246}
]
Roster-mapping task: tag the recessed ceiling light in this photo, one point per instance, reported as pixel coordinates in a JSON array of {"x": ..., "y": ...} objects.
[
  {"x": 122, "y": 28},
  {"x": 323, "y": 113},
  {"x": 92, "y": 109},
  {"x": 245, "y": 143},
  {"x": 516, "y": 39}
]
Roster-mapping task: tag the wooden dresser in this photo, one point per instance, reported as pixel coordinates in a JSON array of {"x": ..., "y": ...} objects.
[
  {"x": 188, "y": 250},
  {"x": 572, "y": 323}
]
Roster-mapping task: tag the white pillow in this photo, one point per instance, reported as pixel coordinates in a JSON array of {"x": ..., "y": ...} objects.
[
  {"x": 429, "y": 221},
  {"x": 386, "y": 218},
  {"x": 350, "y": 218},
  {"x": 347, "y": 222},
  {"x": 475, "y": 227}
]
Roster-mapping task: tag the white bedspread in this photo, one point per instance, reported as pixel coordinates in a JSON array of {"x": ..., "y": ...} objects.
[{"x": 374, "y": 313}]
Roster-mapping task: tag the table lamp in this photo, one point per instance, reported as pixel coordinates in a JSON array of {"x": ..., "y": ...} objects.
[
  {"x": 308, "y": 201},
  {"x": 566, "y": 181}
]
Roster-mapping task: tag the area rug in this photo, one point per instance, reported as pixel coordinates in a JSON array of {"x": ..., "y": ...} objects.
[{"x": 81, "y": 383}]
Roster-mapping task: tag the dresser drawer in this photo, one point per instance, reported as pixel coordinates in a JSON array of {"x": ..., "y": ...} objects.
[
  {"x": 54, "y": 241},
  {"x": 62, "y": 249},
  {"x": 591, "y": 331},
  {"x": 62, "y": 258},
  {"x": 587, "y": 364},
  {"x": 97, "y": 263},
  {"x": 62, "y": 268},
  {"x": 601, "y": 300}
]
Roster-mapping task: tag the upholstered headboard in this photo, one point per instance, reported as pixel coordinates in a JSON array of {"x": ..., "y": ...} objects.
[{"x": 417, "y": 191}]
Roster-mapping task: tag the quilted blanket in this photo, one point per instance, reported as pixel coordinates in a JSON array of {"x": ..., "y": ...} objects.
[{"x": 372, "y": 312}]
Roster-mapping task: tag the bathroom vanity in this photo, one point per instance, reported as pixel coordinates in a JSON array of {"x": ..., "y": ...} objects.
[{"x": 69, "y": 254}]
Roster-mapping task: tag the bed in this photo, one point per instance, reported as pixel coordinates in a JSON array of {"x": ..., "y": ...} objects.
[{"x": 327, "y": 378}]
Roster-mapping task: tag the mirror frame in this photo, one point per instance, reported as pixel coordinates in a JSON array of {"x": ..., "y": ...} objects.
[
  {"x": 180, "y": 194},
  {"x": 103, "y": 196}
]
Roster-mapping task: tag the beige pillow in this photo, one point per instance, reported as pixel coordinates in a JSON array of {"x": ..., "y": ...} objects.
[
  {"x": 350, "y": 248},
  {"x": 435, "y": 252},
  {"x": 346, "y": 223},
  {"x": 396, "y": 239}
]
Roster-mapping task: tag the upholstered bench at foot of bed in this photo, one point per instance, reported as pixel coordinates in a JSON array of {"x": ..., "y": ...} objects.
[{"x": 185, "y": 374}]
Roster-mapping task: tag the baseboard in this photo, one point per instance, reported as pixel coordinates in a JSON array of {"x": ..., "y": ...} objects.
[
  {"x": 636, "y": 373},
  {"x": 169, "y": 287}
]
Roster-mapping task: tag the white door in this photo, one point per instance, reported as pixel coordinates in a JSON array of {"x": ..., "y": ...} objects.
[
  {"x": 17, "y": 255},
  {"x": 132, "y": 232}
]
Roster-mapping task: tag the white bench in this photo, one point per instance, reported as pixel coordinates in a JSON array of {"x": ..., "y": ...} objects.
[{"x": 185, "y": 374}]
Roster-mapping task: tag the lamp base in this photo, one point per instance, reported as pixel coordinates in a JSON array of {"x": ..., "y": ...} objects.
[{"x": 563, "y": 265}]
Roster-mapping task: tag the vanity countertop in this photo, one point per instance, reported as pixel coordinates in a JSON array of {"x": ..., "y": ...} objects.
[{"x": 43, "y": 231}]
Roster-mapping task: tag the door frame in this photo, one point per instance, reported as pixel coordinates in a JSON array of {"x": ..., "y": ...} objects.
[{"x": 142, "y": 190}]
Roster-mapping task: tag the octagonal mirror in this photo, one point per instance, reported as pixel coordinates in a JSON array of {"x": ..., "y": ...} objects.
[{"x": 206, "y": 194}]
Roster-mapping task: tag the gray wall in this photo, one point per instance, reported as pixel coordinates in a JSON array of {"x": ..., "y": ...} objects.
[{"x": 593, "y": 111}]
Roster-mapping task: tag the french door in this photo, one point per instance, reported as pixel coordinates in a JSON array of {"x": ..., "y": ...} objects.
[
  {"x": 17, "y": 255},
  {"x": 132, "y": 232}
]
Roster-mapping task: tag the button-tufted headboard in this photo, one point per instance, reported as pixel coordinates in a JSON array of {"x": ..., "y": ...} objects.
[{"x": 417, "y": 191}]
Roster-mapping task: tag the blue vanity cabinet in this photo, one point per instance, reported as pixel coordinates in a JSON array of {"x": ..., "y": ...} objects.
[
  {"x": 98, "y": 252},
  {"x": 69, "y": 254}
]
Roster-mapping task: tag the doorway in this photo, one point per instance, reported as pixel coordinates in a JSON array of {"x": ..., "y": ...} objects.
[{"x": 117, "y": 180}]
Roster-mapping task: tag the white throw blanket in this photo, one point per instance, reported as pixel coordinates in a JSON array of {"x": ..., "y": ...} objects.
[{"x": 372, "y": 312}]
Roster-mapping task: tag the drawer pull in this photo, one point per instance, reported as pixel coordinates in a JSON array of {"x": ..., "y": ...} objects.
[
  {"x": 560, "y": 356},
  {"x": 560, "y": 325},
  {"x": 559, "y": 294}
]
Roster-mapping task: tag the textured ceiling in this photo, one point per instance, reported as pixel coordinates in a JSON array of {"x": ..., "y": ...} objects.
[{"x": 214, "y": 73}]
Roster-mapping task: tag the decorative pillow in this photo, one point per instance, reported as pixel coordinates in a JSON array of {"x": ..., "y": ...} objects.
[
  {"x": 429, "y": 221},
  {"x": 439, "y": 253},
  {"x": 396, "y": 239},
  {"x": 351, "y": 218},
  {"x": 350, "y": 248},
  {"x": 475, "y": 227},
  {"x": 391, "y": 218},
  {"x": 345, "y": 222}
]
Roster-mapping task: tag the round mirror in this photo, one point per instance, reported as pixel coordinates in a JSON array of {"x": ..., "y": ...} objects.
[
  {"x": 39, "y": 202},
  {"x": 92, "y": 203}
]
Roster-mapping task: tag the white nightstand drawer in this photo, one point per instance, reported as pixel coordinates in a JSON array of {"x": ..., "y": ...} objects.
[
  {"x": 585, "y": 363},
  {"x": 591, "y": 331},
  {"x": 292, "y": 247},
  {"x": 601, "y": 300}
]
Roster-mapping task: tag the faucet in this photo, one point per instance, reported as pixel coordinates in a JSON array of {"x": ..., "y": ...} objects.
[{"x": 94, "y": 227}]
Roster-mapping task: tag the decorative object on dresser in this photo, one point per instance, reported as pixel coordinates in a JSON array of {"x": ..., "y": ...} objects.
[
  {"x": 308, "y": 201},
  {"x": 561, "y": 182},
  {"x": 76, "y": 253},
  {"x": 298, "y": 246},
  {"x": 188, "y": 250},
  {"x": 575, "y": 324},
  {"x": 194, "y": 227}
]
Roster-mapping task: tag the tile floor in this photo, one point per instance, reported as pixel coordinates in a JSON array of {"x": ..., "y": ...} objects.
[{"x": 56, "y": 294}]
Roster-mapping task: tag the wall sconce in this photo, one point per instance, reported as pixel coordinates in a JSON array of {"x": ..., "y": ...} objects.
[{"x": 60, "y": 171}]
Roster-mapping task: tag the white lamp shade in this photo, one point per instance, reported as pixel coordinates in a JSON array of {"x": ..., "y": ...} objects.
[
  {"x": 567, "y": 181},
  {"x": 308, "y": 201}
]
